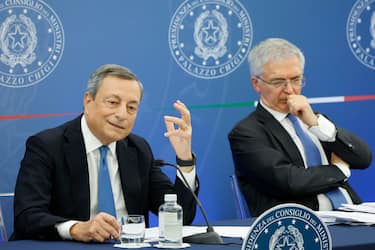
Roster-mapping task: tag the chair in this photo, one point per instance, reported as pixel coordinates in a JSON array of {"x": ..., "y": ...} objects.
[
  {"x": 6, "y": 212},
  {"x": 241, "y": 206},
  {"x": 3, "y": 233}
]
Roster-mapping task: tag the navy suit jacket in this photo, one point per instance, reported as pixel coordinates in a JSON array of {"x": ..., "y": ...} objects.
[
  {"x": 270, "y": 168},
  {"x": 53, "y": 182}
]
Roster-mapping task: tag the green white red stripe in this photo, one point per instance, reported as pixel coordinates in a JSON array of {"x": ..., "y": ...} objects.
[
  {"x": 341, "y": 99},
  {"x": 313, "y": 100}
]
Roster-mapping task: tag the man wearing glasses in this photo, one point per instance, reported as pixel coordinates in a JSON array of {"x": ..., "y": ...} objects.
[{"x": 284, "y": 151}]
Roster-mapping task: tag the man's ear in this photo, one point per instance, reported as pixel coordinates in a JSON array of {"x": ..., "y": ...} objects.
[
  {"x": 87, "y": 98},
  {"x": 255, "y": 82}
]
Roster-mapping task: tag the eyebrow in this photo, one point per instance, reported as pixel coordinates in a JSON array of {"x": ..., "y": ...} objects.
[
  {"x": 282, "y": 78},
  {"x": 133, "y": 101},
  {"x": 119, "y": 98}
]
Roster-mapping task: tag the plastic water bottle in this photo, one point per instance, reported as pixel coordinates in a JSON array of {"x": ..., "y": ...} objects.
[{"x": 170, "y": 222}]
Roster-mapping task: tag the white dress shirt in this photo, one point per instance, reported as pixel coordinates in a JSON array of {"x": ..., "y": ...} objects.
[
  {"x": 324, "y": 131},
  {"x": 92, "y": 145}
]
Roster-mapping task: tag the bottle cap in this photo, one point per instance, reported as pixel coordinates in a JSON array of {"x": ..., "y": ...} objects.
[{"x": 170, "y": 197}]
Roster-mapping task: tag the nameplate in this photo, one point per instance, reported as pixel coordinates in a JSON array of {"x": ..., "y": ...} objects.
[{"x": 288, "y": 226}]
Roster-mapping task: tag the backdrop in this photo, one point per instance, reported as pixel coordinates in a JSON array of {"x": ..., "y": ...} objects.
[{"x": 192, "y": 50}]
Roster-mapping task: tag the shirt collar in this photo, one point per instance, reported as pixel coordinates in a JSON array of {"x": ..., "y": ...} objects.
[
  {"x": 279, "y": 116},
  {"x": 91, "y": 141}
]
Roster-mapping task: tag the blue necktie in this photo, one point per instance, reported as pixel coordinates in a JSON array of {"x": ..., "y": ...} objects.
[
  {"x": 313, "y": 158},
  {"x": 105, "y": 195}
]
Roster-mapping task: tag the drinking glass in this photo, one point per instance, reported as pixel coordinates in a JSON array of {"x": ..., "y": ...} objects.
[{"x": 132, "y": 230}]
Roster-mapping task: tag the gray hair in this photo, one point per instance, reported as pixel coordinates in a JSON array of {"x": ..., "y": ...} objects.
[
  {"x": 272, "y": 49},
  {"x": 103, "y": 71}
]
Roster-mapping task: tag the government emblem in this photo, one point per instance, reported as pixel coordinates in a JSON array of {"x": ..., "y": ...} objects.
[
  {"x": 360, "y": 32},
  {"x": 210, "y": 38},
  {"x": 288, "y": 226},
  {"x": 31, "y": 42}
]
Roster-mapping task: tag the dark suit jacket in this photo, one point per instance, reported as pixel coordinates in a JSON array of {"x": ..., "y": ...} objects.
[
  {"x": 270, "y": 168},
  {"x": 53, "y": 182}
]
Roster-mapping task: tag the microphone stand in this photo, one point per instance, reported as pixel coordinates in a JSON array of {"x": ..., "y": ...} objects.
[{"x": 210, "y": 236}]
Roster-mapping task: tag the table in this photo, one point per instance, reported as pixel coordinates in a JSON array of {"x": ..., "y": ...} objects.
[{"x": 343, "y": 237}]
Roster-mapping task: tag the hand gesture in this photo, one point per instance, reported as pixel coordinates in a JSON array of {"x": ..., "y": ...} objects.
[
  {"x": 299, "y": 106},
  {"x": 179, "y": 132}
]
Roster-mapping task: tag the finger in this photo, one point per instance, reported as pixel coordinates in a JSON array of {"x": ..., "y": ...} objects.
[
  {"x": 294, "y": 111},
  {"x": 290, "y": 97},
  {"x": 289, "y": 102},
  {"x": 175, "y": 120},
  {"x": 169, "y": 125},
  {"x": 185, "y": 113},
  {"x": 293, "y": 100},
  {"x": 108, "y": 231},
  {"x": 111, "y": 220},
  {"x": 180, "y": 102},
  {"x": 98, "y": 234},
  {"x": 178, "y": 133},
  {"x": 113, "y": 228},
  {"x": 110, "y": 225}
]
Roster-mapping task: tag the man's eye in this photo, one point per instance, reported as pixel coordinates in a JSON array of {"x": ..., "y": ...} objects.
[
  {"x": 132, "y": 108},
  {"x": 298, "y": 78},
  {"x": 277, "y": 82},
  {"x": 112, "y": 103}
]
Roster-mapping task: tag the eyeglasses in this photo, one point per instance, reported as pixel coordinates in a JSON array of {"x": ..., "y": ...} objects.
[{"x": 299, "y": 81}]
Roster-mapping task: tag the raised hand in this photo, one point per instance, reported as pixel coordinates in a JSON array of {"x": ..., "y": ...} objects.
[
  {"x": 299, "y": 106},
  {"x": 179, "y": 132}
]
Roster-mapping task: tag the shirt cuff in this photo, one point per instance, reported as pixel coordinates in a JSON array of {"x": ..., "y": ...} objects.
[
  {"x": 325, "y": 130},
  {"x": 344, "y": 169},
  {"x": 63, "y": 229},
  {"x": 190, "y": 178}
]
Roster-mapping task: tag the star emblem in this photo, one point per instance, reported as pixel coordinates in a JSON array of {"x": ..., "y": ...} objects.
[
  {"x": 210, "y": 32},
  {"x": 285, "y": 244},
  {"x": 17, "y": 38}
]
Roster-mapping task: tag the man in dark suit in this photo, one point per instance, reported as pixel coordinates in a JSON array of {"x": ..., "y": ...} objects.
[
  {"x": 272, "y": 163},
  {"x": 57, "y": 189}
]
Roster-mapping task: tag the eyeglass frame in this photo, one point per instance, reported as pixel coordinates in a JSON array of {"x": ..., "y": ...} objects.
[{"x": 284, "y": 82}]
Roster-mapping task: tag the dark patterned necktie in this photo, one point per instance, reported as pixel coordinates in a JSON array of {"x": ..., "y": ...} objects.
[{"x": 313, "y": 158}]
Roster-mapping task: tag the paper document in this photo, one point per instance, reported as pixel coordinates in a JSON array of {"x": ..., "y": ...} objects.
[
  {"x": 342, "y": 217},
  {"x": 152, "y": 234},
  {"x": 367, "y": 207}
]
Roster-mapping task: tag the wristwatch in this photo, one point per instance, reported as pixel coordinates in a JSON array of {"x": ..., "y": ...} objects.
[{"x": 186, "y": 163}]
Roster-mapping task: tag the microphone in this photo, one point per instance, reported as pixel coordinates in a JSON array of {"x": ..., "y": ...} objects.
[{"x": 210, "y": 236}]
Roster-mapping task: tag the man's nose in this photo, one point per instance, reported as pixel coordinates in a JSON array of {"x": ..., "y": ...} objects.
[
  {"x": 288, "y": 87},
  {"x": 122, "y": 112}
]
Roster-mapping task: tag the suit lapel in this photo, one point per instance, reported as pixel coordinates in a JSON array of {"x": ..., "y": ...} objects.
[
  {"x": 75, "y": 156},
  {"x": 280, "y": 134},
  {"x": 130, "y": 175}
]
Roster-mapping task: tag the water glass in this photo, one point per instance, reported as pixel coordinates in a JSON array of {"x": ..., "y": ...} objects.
[{"x": 132, "y": 230}]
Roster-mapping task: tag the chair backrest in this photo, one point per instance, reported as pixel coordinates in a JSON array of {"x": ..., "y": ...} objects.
[
  {"x": 3, "y": 233},
  {"x": 241, "y": 206},
  {"x": 6, "y": 212}
]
